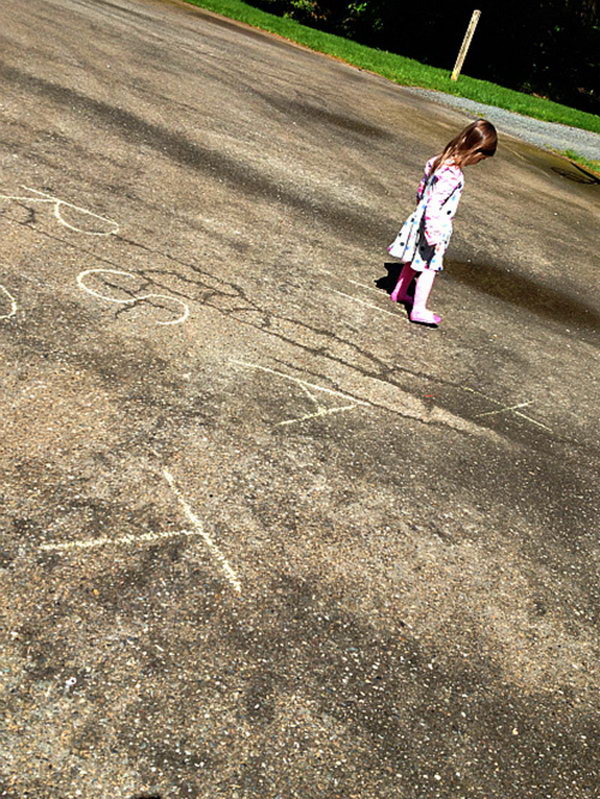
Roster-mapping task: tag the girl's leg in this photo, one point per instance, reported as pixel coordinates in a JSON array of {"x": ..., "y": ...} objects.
[
  {"x": 420, "y": 312},
  {"x": 399, "y": 294}
]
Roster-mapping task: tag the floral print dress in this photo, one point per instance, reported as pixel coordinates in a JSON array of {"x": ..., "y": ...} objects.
[{"x": 424, "y": 237}]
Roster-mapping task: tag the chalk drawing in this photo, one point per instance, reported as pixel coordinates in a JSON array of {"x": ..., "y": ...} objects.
[
  {"x": 58, "y": 204},
  {"x": 305, "y": 386},
  {"x": 95, "y": 543},
  {"x": 13, "y": 304},
  {"x": 368, "y": 304},
  {"x": 362, "y": 302},
  {"x": 133, "y": 300},
  {"x": 197, "y": 530},
  {"x": 515, "y": 409},
  {"x": 199, "y": 527},
  {"x": 354, "y": 283},
  {"x": 509, "y": 409},
  {"x": 362, "y": 285},
  {"x": 502, "y": 410}
]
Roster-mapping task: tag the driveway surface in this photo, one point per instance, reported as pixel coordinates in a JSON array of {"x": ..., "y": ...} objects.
[{"x": 261, "y": 536}]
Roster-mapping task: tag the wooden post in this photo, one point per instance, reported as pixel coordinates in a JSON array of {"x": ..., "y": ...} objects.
[{"x": 462, "y": 53}]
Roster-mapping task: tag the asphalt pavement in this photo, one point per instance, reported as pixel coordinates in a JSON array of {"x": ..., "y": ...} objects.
[{"x": 261, "y": 537}]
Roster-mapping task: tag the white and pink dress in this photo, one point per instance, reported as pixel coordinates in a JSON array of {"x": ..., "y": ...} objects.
[{"x": 424, "y": 237}]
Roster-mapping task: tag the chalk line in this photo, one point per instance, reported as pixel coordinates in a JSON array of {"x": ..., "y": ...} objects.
[
  {"x": 199, "y": 527},
  {"x": 58, "y": 203},
  {"x": 533, "y": 421},
  {"x": 354, "y": 283},
  {"x": 303, "y": 383},
  {"x": 124, "y": 539},
  {"x": 363, "y": 285},
  {"x": 198, "y": 530},
  {"x": 320, "y": 412},
  {"x": 512, "y": 409},
  {"x": 13, "y": 304},
  {"x": 132, "y": 300},
  {"x": 368, "y": 304},
  {"x": 305, "y": 386},
  {"x": 501, "y": 410}
]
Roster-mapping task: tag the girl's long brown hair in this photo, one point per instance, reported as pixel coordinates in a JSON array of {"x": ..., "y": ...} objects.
[{"x": 479, "y": 136}]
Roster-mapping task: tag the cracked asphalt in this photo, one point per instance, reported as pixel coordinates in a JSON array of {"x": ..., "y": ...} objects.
[{"x": 261, "y": 536}]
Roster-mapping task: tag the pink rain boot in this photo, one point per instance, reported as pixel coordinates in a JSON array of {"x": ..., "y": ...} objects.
[
  {"x": 420, "y": 313},
  {"x": 399, "y": 294}
]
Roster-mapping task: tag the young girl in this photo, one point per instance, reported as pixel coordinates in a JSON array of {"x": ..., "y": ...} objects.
[{"x": 424, "y": 237}]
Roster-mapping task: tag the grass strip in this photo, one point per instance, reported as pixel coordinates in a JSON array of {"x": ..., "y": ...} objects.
[{"x": 405, "y": 71}]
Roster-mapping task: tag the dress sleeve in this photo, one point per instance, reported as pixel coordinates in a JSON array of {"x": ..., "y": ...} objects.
[
  {"x": 436, "y": 217},
  {"x": 424, "y": 179}
]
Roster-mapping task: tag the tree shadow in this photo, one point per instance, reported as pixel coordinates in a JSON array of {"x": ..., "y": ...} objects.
[{"x": 527, "y": 293}]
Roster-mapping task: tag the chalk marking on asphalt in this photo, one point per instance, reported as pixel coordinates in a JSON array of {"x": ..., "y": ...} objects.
[
  {"x": 213, "y": 548},
  {"x": 58, "y": 203},
  {"x": 354, "y": 283},
  {"x": 311, "y": 396},
  {"x": 303, "y": 383},
  {"x": 368, "y": 304},
  {"x": 124, "y": 539},
  {"x": 533, "y": 421},
  {"x": 413, "y": 408},
  {"x": 13, "y": 304},
  {"x": 363, "y": 285},
  {"x": 320, "y": 412},
  {"x": 133, "y": 300},
  {"x": 502, "y": 410},
  {"x": 305, "y": 386},
  {"x": 514, "y": 408},
  {"x": 511, "y": 409}
]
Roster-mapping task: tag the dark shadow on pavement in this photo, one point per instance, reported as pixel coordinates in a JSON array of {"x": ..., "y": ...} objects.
[
  {"x": 388, "y": 282},
  {"x": 185, "y": 151},
  {"x": 580, "y": 176},
  {"x": 525, "y": 292}
]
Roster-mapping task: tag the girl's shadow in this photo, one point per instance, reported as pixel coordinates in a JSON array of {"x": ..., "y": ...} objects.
[{"x": 388, "y": 282}]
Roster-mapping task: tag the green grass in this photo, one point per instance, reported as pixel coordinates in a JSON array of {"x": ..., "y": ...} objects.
[{"x": 399, "y": 69}]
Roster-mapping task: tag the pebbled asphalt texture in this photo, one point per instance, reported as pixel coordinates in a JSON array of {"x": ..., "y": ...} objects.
[{"x": 261, "y": 536}]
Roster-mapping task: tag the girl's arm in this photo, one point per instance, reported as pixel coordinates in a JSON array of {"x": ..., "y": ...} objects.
[
  {"x": 424, "y": 179},
  {"x": 436, "y": 215}
]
